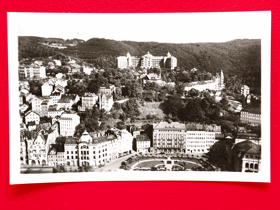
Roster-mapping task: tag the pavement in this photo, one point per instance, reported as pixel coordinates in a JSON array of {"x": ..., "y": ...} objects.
[{"x": 115, "y": 164}]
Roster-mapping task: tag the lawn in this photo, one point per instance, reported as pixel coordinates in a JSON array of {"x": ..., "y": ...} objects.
[
  {"x": 149, "y": 163},
  {"x": 151, "y": 108}
]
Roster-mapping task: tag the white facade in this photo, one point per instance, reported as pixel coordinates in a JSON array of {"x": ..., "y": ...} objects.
[
  {"x": 199, "y": 141},
  {"x": 245, "y": 90},
  {"x": 39, "y": 71},
  {"x": 47, "y": 89},
  {"x": 36, "y": 104},
  {"x": 68, "y": 123},
  {"x": 143, "y": 146},
  {"x": 37, "y": 153},
  {"x": 32, "y": 116},
  {"x": 89, "y": 100},
  {"x": 87, "y": 70},
  {"x": 56, "y": 158},
  {"x": 57, "y": 62}
]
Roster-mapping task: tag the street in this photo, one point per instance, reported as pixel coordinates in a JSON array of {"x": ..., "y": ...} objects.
[{"x": 115, "y": 164}]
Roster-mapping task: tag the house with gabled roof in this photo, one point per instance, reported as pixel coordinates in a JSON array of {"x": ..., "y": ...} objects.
[
  {"x": 32, "y": 116},
  {"x": 37, "y": 153}
]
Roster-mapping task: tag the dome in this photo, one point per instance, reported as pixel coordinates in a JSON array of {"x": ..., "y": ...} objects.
[{"x": 85, "y": 137}]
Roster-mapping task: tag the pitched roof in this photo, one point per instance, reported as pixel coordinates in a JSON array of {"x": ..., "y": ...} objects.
[
  {"x": 71, "y": 140},
  {"x": 246, "y": 147},
  {"x": 170, "y": 126},
  {"x": 142, "y": 137},
  {"x": 67, "y": 98}
]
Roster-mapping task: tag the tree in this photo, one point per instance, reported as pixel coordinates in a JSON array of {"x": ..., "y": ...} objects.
[
  {"x": 172, "y": 105},
  {"x": 180, "y": 89},
  {"x": 224, "y": 103}
]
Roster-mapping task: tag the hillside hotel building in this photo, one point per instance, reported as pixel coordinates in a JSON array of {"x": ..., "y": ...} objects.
[{"x": 147, "y": 61}]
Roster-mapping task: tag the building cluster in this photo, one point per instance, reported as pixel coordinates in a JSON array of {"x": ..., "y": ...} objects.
[
  {"x": 147, "y": 61},
  {"x": 41, "y": 148},
  {"x": 250, "y": 116},
  {"x": 217, "y": 83}
]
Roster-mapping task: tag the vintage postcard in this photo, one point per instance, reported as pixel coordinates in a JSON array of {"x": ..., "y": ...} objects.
[{"x": 111, "y": 97}]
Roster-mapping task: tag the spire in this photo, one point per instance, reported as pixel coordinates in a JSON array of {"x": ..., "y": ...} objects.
[
  {"x": 168, "y": 54},
  {"x": 127, "y": 55}
]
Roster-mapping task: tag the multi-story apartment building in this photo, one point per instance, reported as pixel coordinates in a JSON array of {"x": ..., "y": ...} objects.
[
  {"x": 32, "y": 116},
  {"x": 106, "y": 97},
  {"x": 147, "y": 61},
  {"x": 200, "y": 138},
  {"x": 94, "y": 149},
  {"x": 55, "y": 96},
  {"x": 178, "y": 137},
  {"x": 66, "y": 101},
  {"x": 53, "y": 111},
  {"x": 47, "y": 89},
  {"x": 36, "y": 104},
  {"x": 251, "y": 117},
  {"x": 68, "y": 123},
  {"x": 37, "y": 151},
  {"x": 89, "y": 100},
  {"x": 56, "y": 155},
  {"x": 39, "y": 71},
  {"x": 169, "y": 137},
  {"x": 143, "y": 143},
  {"x": 245, "y": 90}
]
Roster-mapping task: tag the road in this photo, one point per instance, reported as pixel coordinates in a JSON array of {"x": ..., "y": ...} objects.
[{"x": 115, "y": 164}]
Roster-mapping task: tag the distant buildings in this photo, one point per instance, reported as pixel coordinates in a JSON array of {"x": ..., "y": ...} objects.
[
  {"x": 31, "y": 71},
  {"x": 147, "y": 61},
  {"x": 245, "y": 90},
  {"x": 251, "y": 117},
  {"x": 68, "y": 123},
  {"x": 216, "y": 84},
  {"x": 106, "y": 97}
]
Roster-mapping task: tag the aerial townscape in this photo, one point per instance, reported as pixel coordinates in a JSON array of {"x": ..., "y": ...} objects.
[{"x": 104, "y": 105}]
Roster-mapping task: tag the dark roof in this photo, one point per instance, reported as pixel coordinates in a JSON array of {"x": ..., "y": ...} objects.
[
  {"x": 247, "y": 135},
  {"x": 253, "y": 110},
  {"x": 31, "y": 123},
  {"x": 57, "y": 148},
  {"x": 246, "y": 147},
  {"x": 71, "y": 140},
  {"x": 142, "y": 137},
  {"x": 66, "y": 98}
]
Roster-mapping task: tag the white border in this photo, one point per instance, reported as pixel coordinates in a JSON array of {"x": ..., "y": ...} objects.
[{"x": 17, "y": 178}]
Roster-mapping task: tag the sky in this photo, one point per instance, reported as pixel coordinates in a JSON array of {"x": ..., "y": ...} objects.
[{"x": 158, "y": 27}]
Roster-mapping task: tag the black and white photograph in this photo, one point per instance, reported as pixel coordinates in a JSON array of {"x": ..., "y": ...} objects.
[{"x": 120, "y": 97}]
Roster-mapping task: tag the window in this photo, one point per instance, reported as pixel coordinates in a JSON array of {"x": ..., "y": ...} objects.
[
  {"x": 247, "y": 165},
  {"x": 256, "y": 166},
  {"x": 71, "y": 152},
  {"x": 251, "y": 165}
]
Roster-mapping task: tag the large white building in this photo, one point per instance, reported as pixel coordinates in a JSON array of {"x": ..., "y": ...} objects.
[
  {"x": 200, "y": 138},
  {"x": 169, "y": 137},
  {"x": 216, "y": 84},
  {"x": 190, "y": 138},
  {"x": 147, "y": 61},
  {"x": 68, "y": 123},
  {"x": 47, "y": 89},
  {"x": 94, "y": 149}
]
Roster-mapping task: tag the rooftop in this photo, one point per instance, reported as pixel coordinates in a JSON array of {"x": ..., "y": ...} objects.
[
  {"x": 169, "y": 126},
  {"x": 142, "y": 137}
]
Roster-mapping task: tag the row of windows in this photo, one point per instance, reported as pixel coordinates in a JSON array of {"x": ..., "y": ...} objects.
[
  {"x": 252, "y": 166},
  {"x": 198, "y": 150}
]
